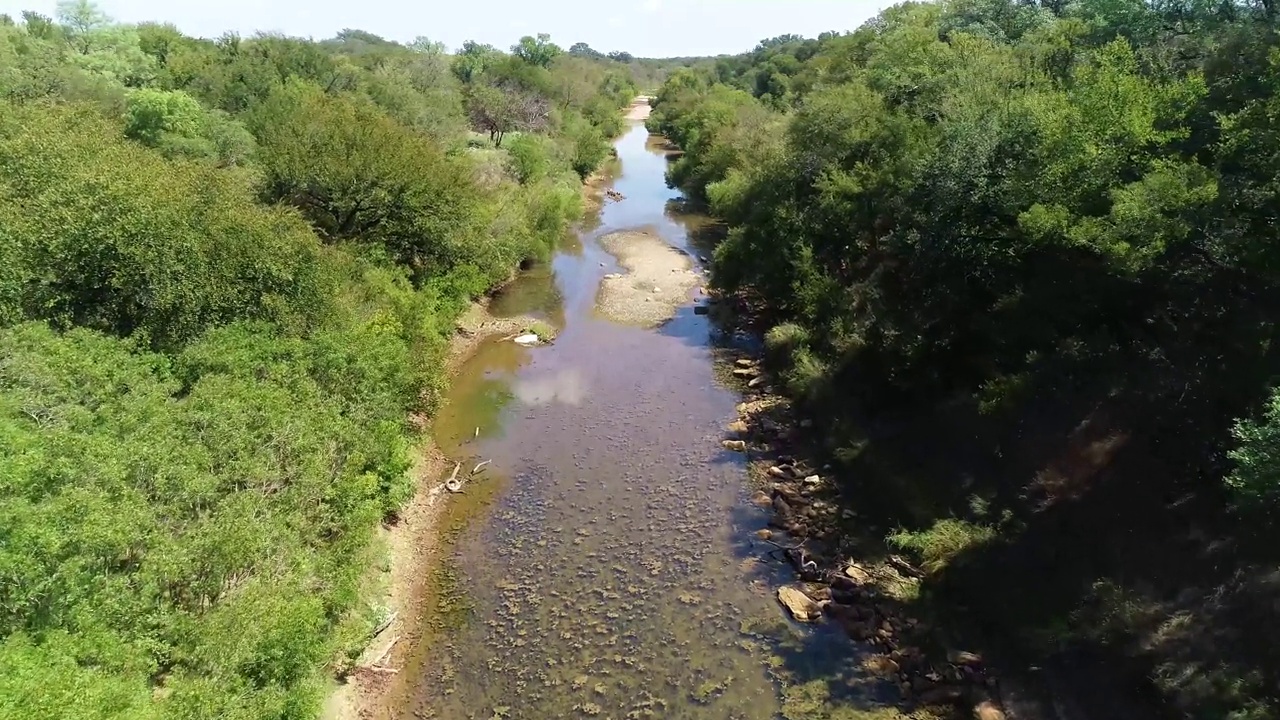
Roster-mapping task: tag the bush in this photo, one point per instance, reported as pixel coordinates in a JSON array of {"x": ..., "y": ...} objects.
[
  {"x": 940, "y": 544},
  {"x": 110, "y": 235}
]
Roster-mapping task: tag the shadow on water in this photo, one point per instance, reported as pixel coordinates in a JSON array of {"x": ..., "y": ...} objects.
[{"x": 616, "y": 574}]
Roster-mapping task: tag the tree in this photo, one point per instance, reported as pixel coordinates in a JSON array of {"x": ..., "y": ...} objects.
[
  {"x": 538, "y": 51},
  {"x": 82, "y": 20},
  {"x": 584, "y": 50},
  {"x": 498, "y": 110},
  {"x": 472, "y": 60},
  {"x": 154, "y": 114},
  {"x": 356, "y": 174}
]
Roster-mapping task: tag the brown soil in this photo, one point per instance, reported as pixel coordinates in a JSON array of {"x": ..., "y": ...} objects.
[
  {"x": 371, "y": 694},
  {"x": 659, "y": 279}
]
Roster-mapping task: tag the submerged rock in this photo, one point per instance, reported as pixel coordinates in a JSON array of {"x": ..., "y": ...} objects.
[
  {"x": 801, "y": 606},
  {"x": 738, "y": 427}
]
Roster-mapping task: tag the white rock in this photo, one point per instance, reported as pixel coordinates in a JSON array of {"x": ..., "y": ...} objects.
[{"x": 529, "y": 339}]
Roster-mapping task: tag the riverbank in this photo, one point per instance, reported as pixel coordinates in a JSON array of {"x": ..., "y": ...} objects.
[
  {"x": 369, "y": 691},
  {"x": 840, "y": 577},
  {"x": 375, "y": 688}
]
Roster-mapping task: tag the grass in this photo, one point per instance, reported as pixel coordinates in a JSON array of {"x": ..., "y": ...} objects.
[
  {"x": 543, "y": 330},
  {"x": 941, "y": 543}
]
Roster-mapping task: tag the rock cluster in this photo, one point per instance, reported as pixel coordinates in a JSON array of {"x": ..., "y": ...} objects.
[{"x": 856, "y": 596}]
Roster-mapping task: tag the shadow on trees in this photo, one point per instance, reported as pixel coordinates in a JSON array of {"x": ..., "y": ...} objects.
[{"x": 1118, "y": 567}]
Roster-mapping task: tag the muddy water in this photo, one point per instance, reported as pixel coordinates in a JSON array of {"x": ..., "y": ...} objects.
[{"x": 615, "y": 575}]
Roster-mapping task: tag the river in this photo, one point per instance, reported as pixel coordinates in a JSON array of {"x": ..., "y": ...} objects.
[{"x": 614, "y": 572}]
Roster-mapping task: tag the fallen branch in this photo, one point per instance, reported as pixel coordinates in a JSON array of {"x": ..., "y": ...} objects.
[
  {"x": 386, "y": 652},
  {"x": 476, "y": 469},
  {"x": 388, "y": 671},
  {"x": 452, "y": 484}
]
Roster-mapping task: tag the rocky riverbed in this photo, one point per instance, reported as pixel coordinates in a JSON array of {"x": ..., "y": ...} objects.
[
  {"x": 865, "y": 599},
  {"x": 658, "y": 279}
]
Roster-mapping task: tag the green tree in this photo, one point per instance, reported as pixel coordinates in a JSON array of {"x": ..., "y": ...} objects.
[{"x": 538, "y": 50}]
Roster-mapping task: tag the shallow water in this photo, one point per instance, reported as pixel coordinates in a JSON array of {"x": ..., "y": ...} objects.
[{"x": 615, "y": 574}]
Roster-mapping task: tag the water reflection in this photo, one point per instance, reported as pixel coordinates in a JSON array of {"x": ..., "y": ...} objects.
[{"x": 565, "y": 386}]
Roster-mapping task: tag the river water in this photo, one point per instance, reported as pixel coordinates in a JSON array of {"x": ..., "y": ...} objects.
[{"x": 615, "y": 573}]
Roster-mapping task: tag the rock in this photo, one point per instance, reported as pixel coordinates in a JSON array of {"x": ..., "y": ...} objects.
[
  {"x": 801, "y": 606},
  {"x": 735, "y": 446},
  {"x": 738, "y": 428},
  {"x": 528, "y": 339},
  {"x": 848, "y": 514},
  {"x": 747, "y": 372},
  {"x": 881, "y": 666},
  {"x": 940, "y": 695},
  {"x": 987, "y": 710},
  {"x": 964, "y": 659},
  {"x": 858, "y": 574},
  {"x": 745, "y": 363},
  {"x": 847, "y": 616},
  {"x": 764, "y": 534},
  {"x": 777, "y": 472},
  {"x": 613, "y": 276},
  {"x": 756, "y": 382},
  {"x": 657, "y": 290},
  {"x": 846, "y": 596},
  {"x": 813, "y": 480},
  {"x": 762, "y": 500},
  {"x": 781, "y": 507}
]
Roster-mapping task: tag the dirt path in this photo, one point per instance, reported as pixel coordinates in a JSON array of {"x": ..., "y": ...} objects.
[
  {"x": 659, "y": 279},
  {"x": 368, "y": 693}
]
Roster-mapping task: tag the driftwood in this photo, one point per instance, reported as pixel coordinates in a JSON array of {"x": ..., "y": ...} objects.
[
  {"x": 453, "y": 485},
  {"x": 386, "y": 652}
]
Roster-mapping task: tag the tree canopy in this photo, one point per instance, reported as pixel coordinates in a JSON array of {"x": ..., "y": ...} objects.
[
  {"x": 973, "y": 229},
  {"x": 229, "y": 271}
]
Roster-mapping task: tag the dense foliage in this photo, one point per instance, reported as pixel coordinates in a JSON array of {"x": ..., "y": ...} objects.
[
  {"x": 228, "y": 273},
  {"x": 1020, "y": 259}
]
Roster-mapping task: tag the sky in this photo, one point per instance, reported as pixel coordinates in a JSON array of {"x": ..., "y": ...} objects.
[{"x": 645, "y": 28}]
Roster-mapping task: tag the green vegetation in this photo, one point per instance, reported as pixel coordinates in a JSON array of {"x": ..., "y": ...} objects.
[
  {"x": 1020, "y": 257},
  {"x": 229, "y": 270}
]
